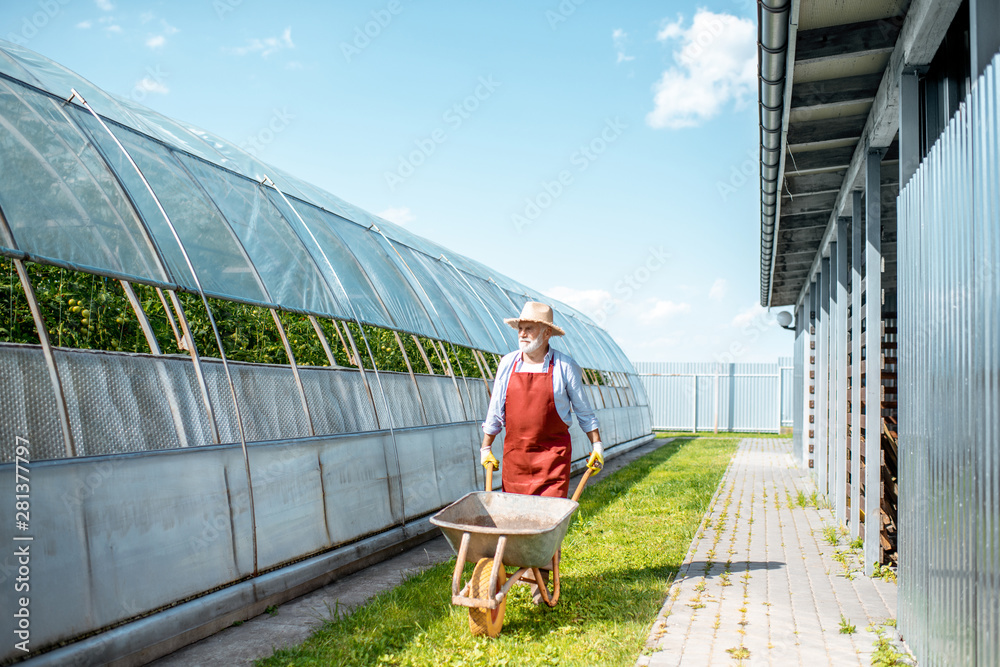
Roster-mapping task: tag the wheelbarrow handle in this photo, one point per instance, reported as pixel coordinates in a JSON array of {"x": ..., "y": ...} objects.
[
  {"x": 583, "y": 482},
  {"x": 489, "y": 478}
]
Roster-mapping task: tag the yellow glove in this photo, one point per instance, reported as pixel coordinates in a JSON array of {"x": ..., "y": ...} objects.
[
  {"x": 487, "y": 459},
  {"x": 596, "y": 460}
]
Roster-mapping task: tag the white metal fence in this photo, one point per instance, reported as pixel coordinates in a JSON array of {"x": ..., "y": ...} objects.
[{"x": 724, "y": 397}]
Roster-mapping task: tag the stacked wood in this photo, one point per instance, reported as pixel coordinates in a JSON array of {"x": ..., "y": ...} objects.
[{"x": 889, "y": 443}]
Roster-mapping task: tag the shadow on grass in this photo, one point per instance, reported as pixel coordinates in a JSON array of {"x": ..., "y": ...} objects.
[
  {"x": 622, "y": 481},
  {"x": 615, "y": 596}
]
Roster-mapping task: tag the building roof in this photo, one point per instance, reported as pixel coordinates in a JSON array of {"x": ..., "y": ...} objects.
[{"x": 828, "y": 92}]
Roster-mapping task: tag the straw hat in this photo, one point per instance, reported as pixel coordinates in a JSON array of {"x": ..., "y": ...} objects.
[{"x": 536, "y": 312}]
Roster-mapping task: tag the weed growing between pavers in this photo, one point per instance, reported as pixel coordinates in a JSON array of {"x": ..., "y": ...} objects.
[
  {"x": 886, "y": 653},
  {"x": 625, "y": 544}
]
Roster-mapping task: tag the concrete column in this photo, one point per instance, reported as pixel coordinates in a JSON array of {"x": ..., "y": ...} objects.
[
  {"x": 840, "y": 445},
  {"x": 909, "y": 127},
  {"x": 832, "y": 460},
  {"x": 857, "y": 246}
]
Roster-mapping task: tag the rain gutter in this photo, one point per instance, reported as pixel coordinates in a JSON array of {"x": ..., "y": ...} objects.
[{"x": 776, "y": 53}]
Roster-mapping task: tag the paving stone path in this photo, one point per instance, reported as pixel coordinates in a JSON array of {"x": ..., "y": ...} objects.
[{"x": 760, "y": 585}]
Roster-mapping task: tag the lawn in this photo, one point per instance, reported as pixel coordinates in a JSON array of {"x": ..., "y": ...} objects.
[{"x": 624, "y": 546}]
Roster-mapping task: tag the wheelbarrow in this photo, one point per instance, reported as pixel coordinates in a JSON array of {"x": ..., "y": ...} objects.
[{"x": 494, "y": 529}]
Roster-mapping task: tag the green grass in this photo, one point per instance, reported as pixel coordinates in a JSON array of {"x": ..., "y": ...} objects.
[
  {"x": 624, "y": 546},
  {"x": 720, "y": 434}
]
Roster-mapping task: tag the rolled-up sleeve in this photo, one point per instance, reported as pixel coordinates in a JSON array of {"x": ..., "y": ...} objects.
[
  {"x": 581, "y": 404},
  {"x": 496, "y": 414}
]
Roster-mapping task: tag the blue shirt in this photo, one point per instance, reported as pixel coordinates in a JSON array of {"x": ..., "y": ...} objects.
[{"x": 567, "y": 389}]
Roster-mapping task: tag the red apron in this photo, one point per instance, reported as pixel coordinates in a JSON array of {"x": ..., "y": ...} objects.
[{"x": 536, "y": 449}]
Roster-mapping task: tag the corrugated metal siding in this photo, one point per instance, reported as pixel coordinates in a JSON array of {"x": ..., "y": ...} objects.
[
  {"x": 798, "y": 385},
  {"x": 734, "y": 397},
  {"x": 949, "y": 376}
]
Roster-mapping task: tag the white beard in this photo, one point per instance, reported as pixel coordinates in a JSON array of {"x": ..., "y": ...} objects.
[{"x": 533, "y": 346}]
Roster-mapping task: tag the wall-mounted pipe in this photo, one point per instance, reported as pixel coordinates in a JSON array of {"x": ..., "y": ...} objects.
[{"x": 772, "y": 44}]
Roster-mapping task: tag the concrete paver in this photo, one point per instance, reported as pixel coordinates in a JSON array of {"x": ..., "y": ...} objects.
[{"x": 779, "y": 596}]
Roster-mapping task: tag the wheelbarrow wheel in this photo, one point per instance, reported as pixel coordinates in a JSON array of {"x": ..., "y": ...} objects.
[{"x": 484, "y": 621}]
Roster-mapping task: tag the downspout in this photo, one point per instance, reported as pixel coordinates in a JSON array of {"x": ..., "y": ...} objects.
[{"x": 772, "y": 45}]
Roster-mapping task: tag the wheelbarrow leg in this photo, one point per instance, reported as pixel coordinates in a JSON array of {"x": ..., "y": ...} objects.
[{"x": 543, "y": 589}]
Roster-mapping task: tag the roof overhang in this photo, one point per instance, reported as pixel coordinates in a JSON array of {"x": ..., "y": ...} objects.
[{"x": 842, "y": 61}]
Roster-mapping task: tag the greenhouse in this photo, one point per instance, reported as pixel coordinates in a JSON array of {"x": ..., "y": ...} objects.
[{"x": 223, "y": 385}]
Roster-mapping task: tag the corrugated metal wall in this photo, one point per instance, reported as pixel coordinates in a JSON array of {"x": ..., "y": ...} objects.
[
  {"x": 729, "y": 397},
  {"x": 949, "y": 375}
]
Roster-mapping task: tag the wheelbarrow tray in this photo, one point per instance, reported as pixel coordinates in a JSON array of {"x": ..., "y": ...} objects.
[{"x": 534, "y": 526}]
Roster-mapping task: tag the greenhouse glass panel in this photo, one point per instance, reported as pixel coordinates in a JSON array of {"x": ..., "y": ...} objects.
[
  {"x": 455, "y": 295},
  {"x": 60, "y": 81},
  {"x": 402, "y": 235},
  {"x": 155, "y": 224},
  {"x": 320, "y": 198},
  {"x": 498, "y": 305},
  {"x": 216, "y": 255},
  {"x": 174, "y": 133},
  {"x": 59, "y": 197},
  {"x": 332, "y": 255},
  {"x": 600, "y": 341},
  {"x": 586, "y": 354},
  {"x": 291, "y": 277},
  {"x": 443, "y": 302},
  {"x": 394, "y": 256},
  {"x": 397, "y": 295}
]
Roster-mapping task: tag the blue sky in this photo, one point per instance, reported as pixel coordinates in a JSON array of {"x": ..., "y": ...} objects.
[{"x": 603, "y": 153}]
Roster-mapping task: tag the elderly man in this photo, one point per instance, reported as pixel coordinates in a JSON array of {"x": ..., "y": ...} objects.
[{"x": 536, "y": 387}]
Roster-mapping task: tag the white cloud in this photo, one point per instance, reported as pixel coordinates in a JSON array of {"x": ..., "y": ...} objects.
[
  {"x": 589, "y": 302},
  {"x": 620, "y": 38},
  {"x": 661, "y": 309},
  {"x": 294, "y": 65},
  {"x": 115, "y": 28},
  {"x": 104, "y": 5},
  {"x": 83, "y": 25},
  {"x": 158, "y": 41},
  {"x": 150, "y": 85},
  {"x": 748, "y": 316},
  {"x": 716, "y": 63},
  {"x": 718, "y": 289},
  {"x": 400, "y": 216},
  {"x": 266, "y": 46}
]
